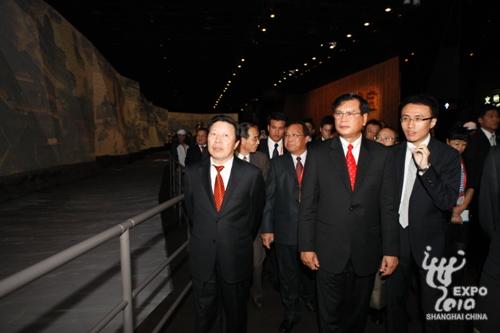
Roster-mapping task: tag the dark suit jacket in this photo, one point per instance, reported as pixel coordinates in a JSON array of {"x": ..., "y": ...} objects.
[
  {"x": 222, "y": 241},
  {"x": 282, "y": 201},
  {"x": 433, "y": 195},
  {"x": 265, "y": 149},
  {"x": 489, "y": 207},
  {"x": 342, "y": 225},
  {"x": 261, "y": 161},
  {"x": 478, "y": 148},
  {"x": 194, "y": 154}
]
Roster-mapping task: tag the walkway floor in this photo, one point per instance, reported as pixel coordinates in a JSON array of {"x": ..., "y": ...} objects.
[{"x": 74, "y": 297}]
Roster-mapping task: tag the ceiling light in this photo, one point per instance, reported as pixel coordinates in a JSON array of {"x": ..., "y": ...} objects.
[
  {"x": 234, "y": 74},
  {"x": 471, "y": 54},
  {"x": 313, "y": 58},
  {"x": 366, "y": 24},
  {"x": 263, "y": 29},
  {"x": 279, "y": 81},
  {"x": 242, "y": 59},
  {"x": 275, "y": 84},
  {"x": 229, "y": 81},
  {"x": 272, "y": 16},
  {"x": 348, "y": 35},
  {"x": 332, "y": 45},
  {"x": 388, "y": 9},
  {"x": 406, "y": 60},
  {"x": 239, "y": 66},
  {"x": 413, "y": 53},
  {"x": 305, "y": 64}
]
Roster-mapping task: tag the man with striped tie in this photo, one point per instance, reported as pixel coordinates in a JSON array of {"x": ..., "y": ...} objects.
[{"x": 224, "y": 199}]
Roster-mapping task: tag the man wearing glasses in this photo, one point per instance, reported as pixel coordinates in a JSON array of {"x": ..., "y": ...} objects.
[
  {"x": 387, "y": 136},
  {"x": 428, "y": 179},
  {"x": 348, "y": 227}
]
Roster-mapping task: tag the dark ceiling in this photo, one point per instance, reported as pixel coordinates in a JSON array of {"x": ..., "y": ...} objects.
[{"x": 183, "y": 52}]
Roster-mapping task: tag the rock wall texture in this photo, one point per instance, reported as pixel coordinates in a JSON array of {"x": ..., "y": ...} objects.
[{"x": 61, "y": 102}]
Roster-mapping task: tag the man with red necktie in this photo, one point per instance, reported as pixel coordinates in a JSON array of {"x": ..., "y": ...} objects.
[
  {"x": 279, "y": 225},
  {"x": 348, "y": 227},
  {"x": 224, "y": 201}
]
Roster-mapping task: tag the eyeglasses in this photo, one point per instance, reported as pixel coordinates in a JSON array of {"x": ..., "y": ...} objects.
[
  {"x": 293, "y": 135},
  {"x": 385, "y": 138},
  {"x": 348, "y": 114},
  {"x": 417, "y": 119}
]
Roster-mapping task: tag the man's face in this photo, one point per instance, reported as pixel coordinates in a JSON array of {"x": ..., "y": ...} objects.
[
  {"x": 295, "y": 140},
  {"x": 326, "y": 131},
  {"x": 490, "y": 120},
  {"x": 417, "y": 130},
  {"x": 251, "y": 143},
  {"x": 371, "y": 131},
  {"x": 201, "y": 137},
  {"x": 349, "y": 127},
  {"x": 459, "y": 145},
  {"x": 386, "y": 136},
  {"x": 276, "y": 129},
  {"x": 221, "y": 141}
]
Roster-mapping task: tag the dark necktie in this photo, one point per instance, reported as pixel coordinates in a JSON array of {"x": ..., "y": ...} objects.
[
  {"x": 351, "y": 166},
  {"x": 218, "y": 188},
  {"x": 299, "y": 170},
  {"x": 275, "y": 151}
]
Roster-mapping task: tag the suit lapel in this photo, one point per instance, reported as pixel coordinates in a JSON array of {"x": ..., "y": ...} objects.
[
  {"x": 290, "y": 168},
  {"x": 362, "y": 167},
  {"x": 232, "y": 183},
  {"x": 339, "y": 163},
  {"x": 205, "y": 178},
  {"x": 400, "y": 155}
]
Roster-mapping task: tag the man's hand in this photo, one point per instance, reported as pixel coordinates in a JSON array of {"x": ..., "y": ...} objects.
[
  {"x": 267, "y": 239},
  {"x": 421, "y": 156},
  {"x": 310, "y": 259},
  {"x": 388, "y": 265}
]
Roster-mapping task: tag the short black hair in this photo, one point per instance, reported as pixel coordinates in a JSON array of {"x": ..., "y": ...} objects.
[
  {"x": 458, "y": 132},
  {"x": 485, "y": 108},
  {"x": 305, "y": 130},
  {"x": 327, "y": 120},
  {"x": 422, "y": 99},
  {"x": 226, "y": 119},
  {"x": 363, "y": 104},
  {"x": 202, "y": 129},
  {"x": 277, "y": 116},
  {"x": 243, "y": 129},
  {"x": 374, "y": 122}
]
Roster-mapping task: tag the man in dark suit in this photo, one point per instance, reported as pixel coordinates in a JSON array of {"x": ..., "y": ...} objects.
[
  {"x": 347, "y": 219},
  {"x": 279, "y": 224},
  {"x": 326, "y": 130},
  {"x": 198, "y": 150},
  {"x": 478, "y": 148},
  {"x": 489, "y": 206},
  {"x": 224, "y": 199},
  {"x": 247, "y": 151},
  {"x": 273, "y": 145},
  {"x": 428, "y": 180}
]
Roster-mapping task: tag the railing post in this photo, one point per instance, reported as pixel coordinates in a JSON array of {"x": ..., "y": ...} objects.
[{"x": 128, "y": 311}]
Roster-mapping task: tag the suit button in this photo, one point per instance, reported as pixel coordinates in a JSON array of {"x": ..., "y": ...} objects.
[{"x": 351, "y": 208}]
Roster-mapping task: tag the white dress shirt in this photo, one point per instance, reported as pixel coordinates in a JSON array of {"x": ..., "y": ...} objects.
[
  {"x": 270, "y": 145},
  {"x": 489, "y": 136},
  {"x": 356, "y": 146},
  {"x": 225, "y": 173},
  {"x": 181, "y": 153},
  {"x": 302, "y": 158}
]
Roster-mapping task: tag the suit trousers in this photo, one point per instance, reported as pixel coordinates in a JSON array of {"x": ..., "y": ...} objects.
[
  {"x": 220, "y": 306},
  {"x": 397, "y": 291},
  {"x": 343, "y": 300},
  {"x": 296, "y": 281}
]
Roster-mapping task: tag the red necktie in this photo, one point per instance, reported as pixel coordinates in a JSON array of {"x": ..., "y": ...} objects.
[
  {"x": 351, "y": 166},
  {"x": 299, "y": 170},
  {"x": 218, "y": 188}
]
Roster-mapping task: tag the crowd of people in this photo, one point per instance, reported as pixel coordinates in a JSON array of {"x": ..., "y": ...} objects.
[{"x": 325, "y": 215}]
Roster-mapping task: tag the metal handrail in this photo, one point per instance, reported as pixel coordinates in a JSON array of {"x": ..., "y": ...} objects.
[{"x": 34, "y": 272}]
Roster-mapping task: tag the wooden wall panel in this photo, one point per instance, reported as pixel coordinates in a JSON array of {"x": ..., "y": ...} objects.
[{"x": 379, "y": 84}]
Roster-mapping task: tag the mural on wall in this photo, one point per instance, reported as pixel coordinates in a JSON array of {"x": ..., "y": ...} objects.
[
  {"x": 190, "y": 121},
  {"x": 61, "y": 102}
]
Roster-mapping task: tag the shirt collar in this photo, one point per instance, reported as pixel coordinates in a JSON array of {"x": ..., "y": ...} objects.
[
  {"x": 227, "y": 165},
  {"x": 410, "y": 146},
  {"x": 302, "y": 156},
  {"x": 355, "y": 144}
]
